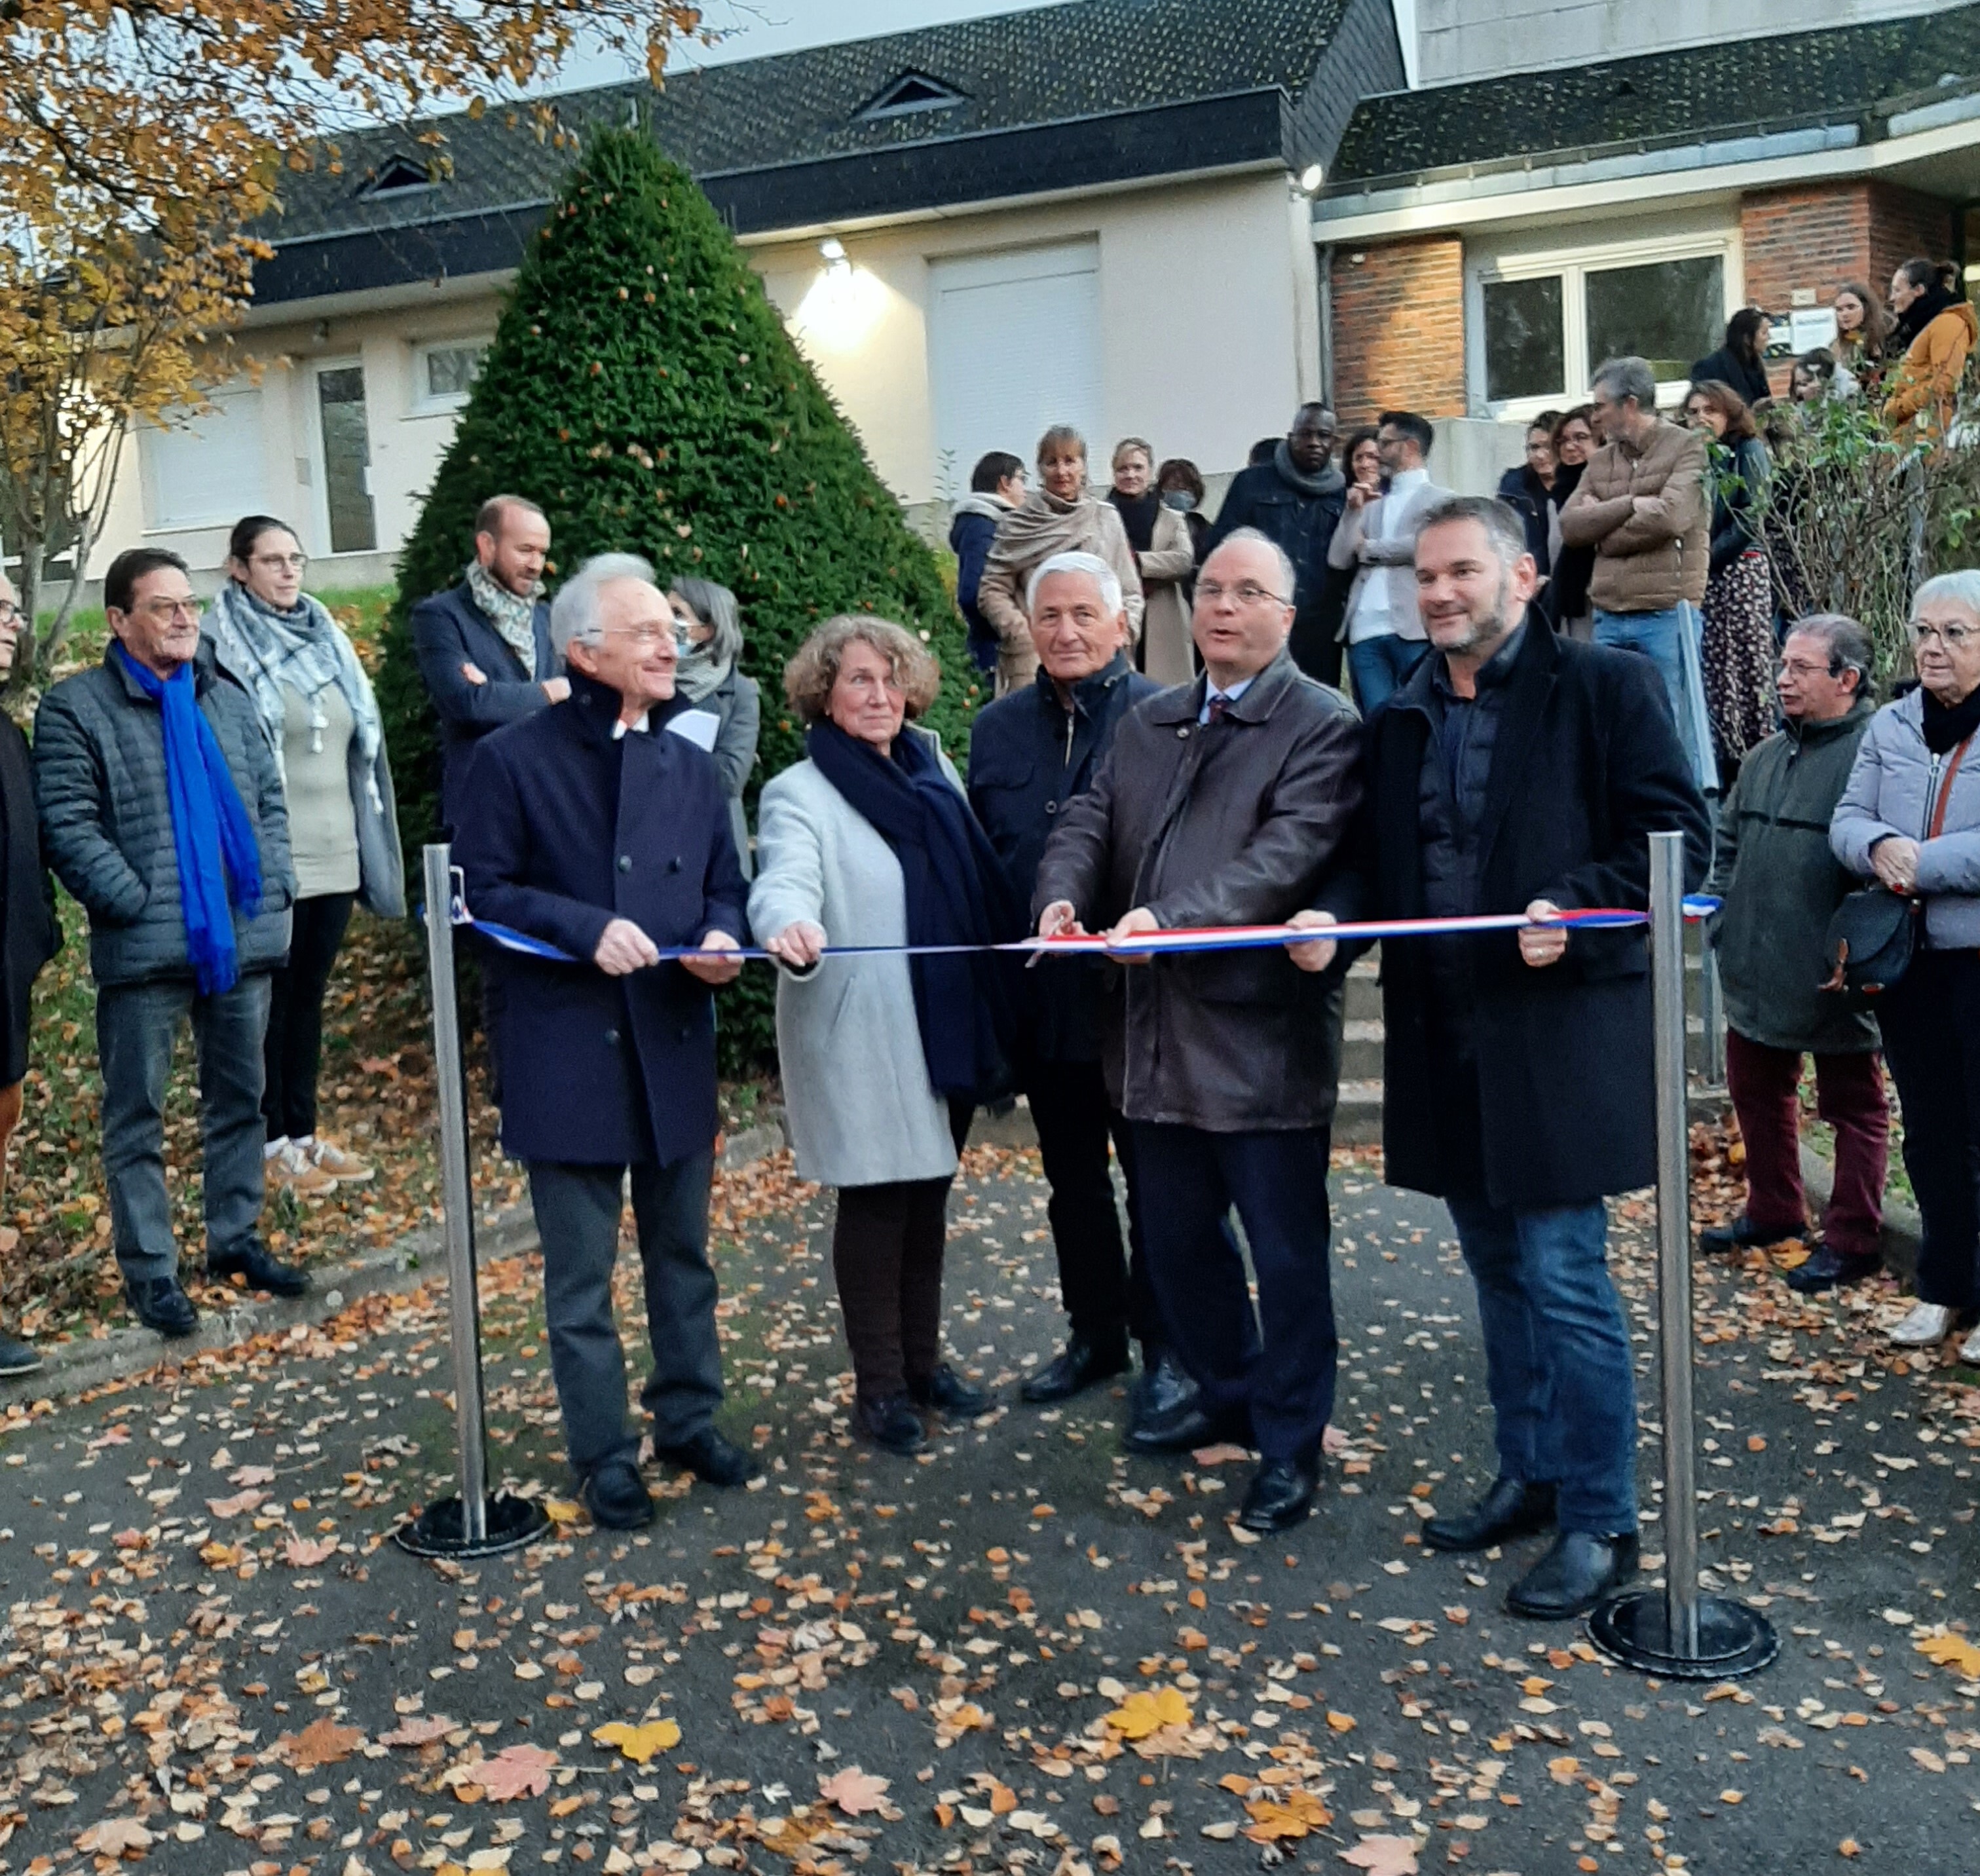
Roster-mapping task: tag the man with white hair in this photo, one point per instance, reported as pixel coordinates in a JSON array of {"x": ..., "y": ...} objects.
[
  {"x": 1228, "y": 801},
  {"x": 1031, "y": 753},
  {"x": 592, "y": 829}
]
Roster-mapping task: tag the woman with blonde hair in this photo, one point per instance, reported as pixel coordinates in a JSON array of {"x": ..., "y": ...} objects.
[
  {"x": 1057, "y": 516},
  {"x": 1165, "y": 557},
  {"x": 869, "y": 842}
]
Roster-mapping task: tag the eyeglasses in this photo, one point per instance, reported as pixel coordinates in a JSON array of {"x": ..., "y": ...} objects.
[
  {"x": 1797, "y": 668},
  {"x": 644, "y": 637},
  {"x": 9, "y": 615},
  {"x": 282, "y": 563},
  {"x": 1951, "y": 637},
  {"x": 162, "y": 611},
  {"x": 1248, "y": 592}
]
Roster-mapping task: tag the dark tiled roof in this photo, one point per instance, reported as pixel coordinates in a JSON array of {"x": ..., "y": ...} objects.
[
  {"x": 1775, "y": 82},
  {"x": 1050, "y": 66}
]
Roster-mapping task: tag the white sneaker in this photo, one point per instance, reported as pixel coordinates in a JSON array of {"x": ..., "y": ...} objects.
[
  {"x": 1969, "y": 1350},
  {"x": 1925, "y": 1327}
]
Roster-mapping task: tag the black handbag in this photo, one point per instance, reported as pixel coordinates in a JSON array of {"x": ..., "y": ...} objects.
[{"x": 1871, "y": 936}]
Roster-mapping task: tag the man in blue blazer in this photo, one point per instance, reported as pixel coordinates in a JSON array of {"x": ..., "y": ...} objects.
[
  {"x": 483, "y": 647},
  {"x": 593, "y": 829}
]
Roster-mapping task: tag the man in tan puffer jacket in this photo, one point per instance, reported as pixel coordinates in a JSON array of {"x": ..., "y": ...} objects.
[{"x": 1641, "y": 505}]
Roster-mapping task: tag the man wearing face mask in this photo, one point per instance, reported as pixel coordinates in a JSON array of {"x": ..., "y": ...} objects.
[
  {"x": 1031, "y": 755},
  {"x": 1295, "y": 501}
]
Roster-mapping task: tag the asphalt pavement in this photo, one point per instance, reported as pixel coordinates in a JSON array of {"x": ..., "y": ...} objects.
[{"x": 1054, "y": 1657}]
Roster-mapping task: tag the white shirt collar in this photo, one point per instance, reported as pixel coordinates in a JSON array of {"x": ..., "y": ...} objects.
[
  {"x": 1210, "y": 692},
  {"x": 619, "y": 726}
]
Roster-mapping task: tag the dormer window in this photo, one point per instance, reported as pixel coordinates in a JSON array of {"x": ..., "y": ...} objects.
[
  {"x": 911, "y": 92},
  {"x": 398, "y": 175}
]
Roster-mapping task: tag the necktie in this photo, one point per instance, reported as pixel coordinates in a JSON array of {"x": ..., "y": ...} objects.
[{"x": 1219, "y": 707}]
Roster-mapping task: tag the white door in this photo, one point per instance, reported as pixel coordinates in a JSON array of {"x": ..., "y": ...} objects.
[{"x": 1014, "y": 347}]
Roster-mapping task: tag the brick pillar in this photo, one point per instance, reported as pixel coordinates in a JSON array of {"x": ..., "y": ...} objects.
[
  {"x": 1399, "y": 329},
  {"x": 1902, "y": 223}
]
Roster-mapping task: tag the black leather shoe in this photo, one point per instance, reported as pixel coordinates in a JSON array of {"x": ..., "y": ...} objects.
[
  {"x": 1833, "y": 1269},
  {"x": 1280, "y": 1495},
  {"x": 259, "y": 1271},
  {"x": 891, "y": 1422},
  {"x": 1077, "y": 1368},
  {"x": 1164, "y": 1389},
  {"x": 161, "y": 1304},
  {"x": 712, "y": 1459},
  {"x": 1578, "y": 1571},
  {"x": 1511, "y": 1508},
  {"x": 16, "y": 1358},
  {"x": 949, "y": 1394},
  {"x": 1184, "y": 1428},
  {"x": 1728, "y": 1240},
  {"x": 616, "y": 1497}
]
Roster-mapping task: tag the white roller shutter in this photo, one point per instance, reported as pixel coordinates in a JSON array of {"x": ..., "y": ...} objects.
[{"x": 1015, "y": 348}]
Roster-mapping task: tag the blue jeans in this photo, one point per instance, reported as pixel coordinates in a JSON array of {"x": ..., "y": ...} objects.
[
  {"x": 1380, "y": 667},
  {"x": 1556, "y": 1356},
  {"x": 1670, "y": 640},
  {"x": 1189, "y": 1181}
]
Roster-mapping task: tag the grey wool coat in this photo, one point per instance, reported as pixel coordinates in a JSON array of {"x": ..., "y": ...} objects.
[
  {"x": 860, "y": 1108},
  {"x": 107, "y": 823}
]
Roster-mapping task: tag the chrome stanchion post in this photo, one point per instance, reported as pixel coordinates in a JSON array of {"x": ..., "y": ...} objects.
[
  {"x": 1680, "y": 1634},
  {"x": 472, "y": 1524}
]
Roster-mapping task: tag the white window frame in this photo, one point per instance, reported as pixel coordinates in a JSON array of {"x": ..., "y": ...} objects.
[
  {"x": 1573, "y": 264},
  {"x": 425, "y": 402}
]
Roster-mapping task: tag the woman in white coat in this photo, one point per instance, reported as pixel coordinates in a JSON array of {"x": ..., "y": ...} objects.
[{"x": 869, "y": 841}]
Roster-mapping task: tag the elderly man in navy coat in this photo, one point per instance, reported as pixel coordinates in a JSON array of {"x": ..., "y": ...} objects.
[
  {"x": 483, "y": 647},
  {"x": 593, "y": 829}
]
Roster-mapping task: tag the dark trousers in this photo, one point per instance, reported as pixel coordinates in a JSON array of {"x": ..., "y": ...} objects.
[
  {"x": 886, "y": 1257},
  {"x": 1765, "y": 1084},
  {"x": 1107, "y": 1293},
  {"x": 137, "y": 1026},
  {"x": 1189, "y": 1181},
  {"x": 1931, "y": 1022},
  {"x": 292, "y": 1049},
  {"x": 578, "y": 1210}
]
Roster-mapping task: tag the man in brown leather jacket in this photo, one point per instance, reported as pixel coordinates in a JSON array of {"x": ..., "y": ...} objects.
[{"x": 1228, "y": 803}]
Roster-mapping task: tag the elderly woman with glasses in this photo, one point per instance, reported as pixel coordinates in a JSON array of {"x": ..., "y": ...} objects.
[
  {"x": 1910, "y": 819},
  {"x": 316, "y": 710},
  {"x": 869, "y": 842}
]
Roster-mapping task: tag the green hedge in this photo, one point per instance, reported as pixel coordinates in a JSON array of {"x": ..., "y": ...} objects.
[{"x": 642, "y": 388}]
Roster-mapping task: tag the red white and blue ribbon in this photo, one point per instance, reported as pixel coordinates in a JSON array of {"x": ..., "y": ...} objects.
[{"x": 1181, "y": 940}]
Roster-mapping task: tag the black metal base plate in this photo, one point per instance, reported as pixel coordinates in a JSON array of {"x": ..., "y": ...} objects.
[
  {"x": 437, "y": 1531},
  {"x": 1733, "y": 1641}
]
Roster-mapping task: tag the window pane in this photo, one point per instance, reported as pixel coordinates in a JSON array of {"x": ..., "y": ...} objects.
[
  {"x": 451, "y": 370},
  {"x": 1524, "y": 357},
  {"x": 1671, "y": 312},
  {"x": 347, "y": 460}
]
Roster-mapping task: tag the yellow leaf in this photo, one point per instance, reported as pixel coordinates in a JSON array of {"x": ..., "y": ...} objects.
[
  {"x": 639, "y": 1743},
  {"x": 1148, "y": 1711},
  {"x": 1341, "y": 1722},
  {"x": 562, "y": 1510},
  {"x": 1952, "y": 1650}
]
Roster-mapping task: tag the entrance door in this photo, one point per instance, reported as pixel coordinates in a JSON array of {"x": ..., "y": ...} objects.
[{"x": 346, "y": 458}]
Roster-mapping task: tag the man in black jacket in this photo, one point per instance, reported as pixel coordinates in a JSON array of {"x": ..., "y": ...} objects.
[
  {"x": 1229, "y": 801},
  {"x": 29, "y": 935},
  {"x": 1295, "y": 498},
  {"x": 1030, "y": 754},
  {"x": 1519, "y": 771}
]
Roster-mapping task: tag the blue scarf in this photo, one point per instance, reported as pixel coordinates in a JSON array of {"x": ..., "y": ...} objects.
[
  {"x": 209, "y": 823},
  {"x": 956, "y": 892}
]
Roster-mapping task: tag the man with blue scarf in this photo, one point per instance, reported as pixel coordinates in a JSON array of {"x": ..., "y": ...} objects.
[{"x": 161, "y": 811}]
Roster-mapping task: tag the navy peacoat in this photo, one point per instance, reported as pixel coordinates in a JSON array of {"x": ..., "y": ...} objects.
[
  {"x": 450, "y": 632},
  {"x": 1586, "y": 766},
  {"x": 565, "y": 830}
]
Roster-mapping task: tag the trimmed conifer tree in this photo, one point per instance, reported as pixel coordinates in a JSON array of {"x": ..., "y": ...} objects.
[{"x": 643, "y": 389}]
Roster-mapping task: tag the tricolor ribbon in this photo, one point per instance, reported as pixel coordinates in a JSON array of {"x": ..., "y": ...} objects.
[{"x": 1181, "y": 940}]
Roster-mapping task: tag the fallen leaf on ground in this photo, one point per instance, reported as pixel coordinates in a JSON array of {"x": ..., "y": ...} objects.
[
  {"x": 515, "y": 1771},
  {"x": 1384, "y": 1856},
  {"x": 639, "y": 1743},
  {"x": 1292, "y": 1816},
  {"x": 1954, "y": 1652},
  {"x": 305, "y": 1552},
  {"x": 421, "y": 1729},
  {"x": 111, "y": 1837},
  {"x": 321, "y": 1742},
  {"x": 233, "y": 1507},
  {"x": 853, "y": 1791},
  {"x": 1141, "y": 1714},
  {"x": 1225, "y": 1454}
]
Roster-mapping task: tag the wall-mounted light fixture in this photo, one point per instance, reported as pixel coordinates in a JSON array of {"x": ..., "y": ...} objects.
[
  {"x": 833, "y": 249},
  {"x": 1311, "y": 178}
]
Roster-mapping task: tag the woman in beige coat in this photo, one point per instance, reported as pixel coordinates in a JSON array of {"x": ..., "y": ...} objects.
[
  {"x": 1165, "y": 557},
  {"x": 1058, "y": 517}
]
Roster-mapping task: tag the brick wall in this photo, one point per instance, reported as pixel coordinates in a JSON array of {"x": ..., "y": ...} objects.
[
  {"x": 1902, "y": 223},
  {"x": 1399, "y": 329}
]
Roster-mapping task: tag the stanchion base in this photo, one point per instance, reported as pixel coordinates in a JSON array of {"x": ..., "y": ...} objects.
[
  {"x": 1733, "y": 1641},
  {"x": 437, "y": 1531}
]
